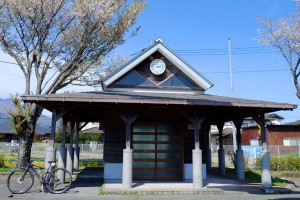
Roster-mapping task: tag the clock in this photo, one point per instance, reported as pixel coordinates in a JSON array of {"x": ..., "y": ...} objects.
[{"x": 157, "y": 66}]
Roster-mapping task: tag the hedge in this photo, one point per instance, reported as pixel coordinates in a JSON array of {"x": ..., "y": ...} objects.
[{"x": 281, "y": 163}]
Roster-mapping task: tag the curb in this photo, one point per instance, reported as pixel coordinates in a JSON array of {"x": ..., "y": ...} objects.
[
  {"x": 276, "y": 190},
  {"x": 179, "y": 192}
]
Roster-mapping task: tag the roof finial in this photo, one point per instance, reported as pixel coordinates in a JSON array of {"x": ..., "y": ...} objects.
[{"x": 159, "y": 40}]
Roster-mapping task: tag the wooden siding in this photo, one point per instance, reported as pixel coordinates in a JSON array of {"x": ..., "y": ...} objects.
[
  {"x": 115, "y": 132},
  {"x": 275, "y": 134},
  {"x": 114, "y": 138}
]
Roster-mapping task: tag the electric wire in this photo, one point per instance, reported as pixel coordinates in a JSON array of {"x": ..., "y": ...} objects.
[{"x": 205, "y": 52}]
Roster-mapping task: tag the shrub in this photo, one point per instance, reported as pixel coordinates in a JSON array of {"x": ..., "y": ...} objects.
[
  {"x": 1, "y": 160},
  {"x": 93, "y": 163},
  {"x": 39, "y": 164},
  {"x": 281, "y": 163},
  {"x": 257, "y": 163},
  {"x": 6, "y": 162}
]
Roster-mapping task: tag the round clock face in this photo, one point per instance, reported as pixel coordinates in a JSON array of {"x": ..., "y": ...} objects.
[{"x": 157, "y": 66}]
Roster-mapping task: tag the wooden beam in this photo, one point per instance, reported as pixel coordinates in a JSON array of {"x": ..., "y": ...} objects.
[
  {"x": 77, "y": 134},
  {"x": 72, "y": 133},
  {"x": 260, "y": 120},
  {"x": 62, "y": 113},
  {"x": 220, "y": 126},
  {"x": 238, "y": 124},
  {"x": 64, "y": 132},
  {"x": 128, "y": 120},
  {"x": 196, "y": 120},
  {"x": 53, "y": 128}
]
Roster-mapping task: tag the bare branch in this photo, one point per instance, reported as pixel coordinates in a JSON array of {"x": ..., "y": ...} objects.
[{"x": 284, "y": 35}]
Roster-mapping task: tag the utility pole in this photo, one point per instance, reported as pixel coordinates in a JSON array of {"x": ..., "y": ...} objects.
[
  {"x": 230, "y": 67},
  {"x": 232, "y": 95}
]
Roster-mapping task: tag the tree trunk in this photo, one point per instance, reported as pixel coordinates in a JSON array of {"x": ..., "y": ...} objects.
[
  {"x": 26, "y": 139},
  {"x": 25, "y": 144}
]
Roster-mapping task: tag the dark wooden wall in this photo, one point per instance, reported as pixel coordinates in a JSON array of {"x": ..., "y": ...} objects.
[
  {"x": 114, "y": 137},
  {"x": 115, "y": 132}
]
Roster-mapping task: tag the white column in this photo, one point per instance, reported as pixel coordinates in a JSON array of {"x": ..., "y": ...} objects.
[
  {"x": 197, "y": 169},
  {"x": 266, "y": 181},
  {"x": 70, "y": 158},
  {"x": 127, "y": 168},
  {"x": 61, "y": 162},
  {"x": 240, "y": 166},
  {"x": 50, "y": 156}
]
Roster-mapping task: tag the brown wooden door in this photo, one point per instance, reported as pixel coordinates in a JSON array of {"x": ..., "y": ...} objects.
[{"x": 158, "y": 152}]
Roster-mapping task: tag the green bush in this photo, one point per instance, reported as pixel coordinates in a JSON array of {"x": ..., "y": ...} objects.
[
  {"x": 1, "y": 160},
  {"x": 281, "y": 163},
  {"x": 92, "y": 163}
]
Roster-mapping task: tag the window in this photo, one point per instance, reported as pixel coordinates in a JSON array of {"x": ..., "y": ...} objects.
[
  {"x": 179, "y": 80},
  {"x": 254, "y": 142},
  {"x": 291, "y": 142},
  {"x": 134, "y": 78},
  {"x": 286, "y": 142},
  {"x": 245, "y": 124}
]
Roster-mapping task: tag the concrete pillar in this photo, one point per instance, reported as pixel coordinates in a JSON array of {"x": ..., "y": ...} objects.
[
  {"x": 50, "y": 156},
  {"x": 61, "y": 163},
  {"x": 197, "y": 169},
  {"x": 266, "y": 181},
  {"x": 240, "y": 165},
  {"x": 127, "y": 168},
  {"x": 70, "y": 158},
  {"x": 208, "y": 160},
  {"x": 76, "y": 158},
  {"x": 221, "y": 158}
]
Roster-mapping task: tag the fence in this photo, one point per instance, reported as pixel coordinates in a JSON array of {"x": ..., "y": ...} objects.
[
  {"x": 39, "y": 148},
  {"x": 250, "y": 151},
  {"x": 275, "y": 151}
]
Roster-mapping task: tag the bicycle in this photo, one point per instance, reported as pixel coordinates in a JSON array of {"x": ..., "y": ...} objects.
[{"x": 54, "y": 180}]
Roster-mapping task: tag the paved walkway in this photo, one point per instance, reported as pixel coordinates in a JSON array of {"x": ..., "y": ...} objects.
[{"x": 86, "y": 187}]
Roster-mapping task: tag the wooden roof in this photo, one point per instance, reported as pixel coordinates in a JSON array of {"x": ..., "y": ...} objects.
[{"x": 49, "y": 101}]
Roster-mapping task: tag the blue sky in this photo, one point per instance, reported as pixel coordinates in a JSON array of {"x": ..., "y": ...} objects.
[{"x": 205, "y": 25}]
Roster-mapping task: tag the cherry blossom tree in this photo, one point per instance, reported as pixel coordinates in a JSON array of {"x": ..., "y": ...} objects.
[
  {"x": 284, "y": 35},
  {"x": 57, "y": 42}
]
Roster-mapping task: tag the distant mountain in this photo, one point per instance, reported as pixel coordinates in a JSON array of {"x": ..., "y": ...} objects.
[{"x": 43, "y": 124}]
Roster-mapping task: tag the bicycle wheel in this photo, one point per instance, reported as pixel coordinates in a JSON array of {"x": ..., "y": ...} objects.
[
  {"x": 20, "y": 181},
  {"x": 59, "y": 181}
]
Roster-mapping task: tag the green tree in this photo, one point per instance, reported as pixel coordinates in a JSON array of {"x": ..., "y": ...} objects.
[
  {"x": 57, "y": 42},
  {"x": 20, "y": 124}
]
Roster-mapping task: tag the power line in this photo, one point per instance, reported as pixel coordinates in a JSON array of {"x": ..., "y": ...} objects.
[
  {"x": 223, "y": 51},
  {"x": 247, "y": 71},
  {"x": 3, "y": 61}
]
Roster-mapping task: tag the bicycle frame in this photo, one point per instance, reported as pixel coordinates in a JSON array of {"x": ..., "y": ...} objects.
[
  {"x": 41, "y": 178},
  {"x": 54, "y": 180}
]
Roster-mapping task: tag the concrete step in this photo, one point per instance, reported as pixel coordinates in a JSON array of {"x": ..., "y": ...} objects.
[
  {"x": 156, "y": 188},
  {"x": 162, "y": 192}
]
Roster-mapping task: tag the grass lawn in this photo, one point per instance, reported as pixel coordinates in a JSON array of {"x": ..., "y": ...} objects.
[{"x": 253, "y": 174}]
